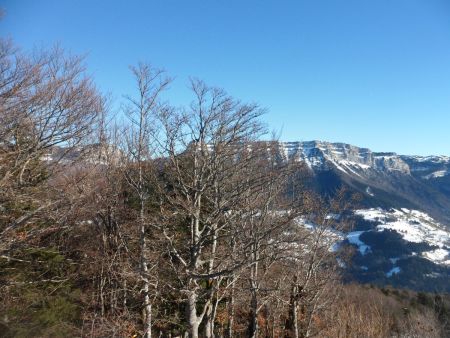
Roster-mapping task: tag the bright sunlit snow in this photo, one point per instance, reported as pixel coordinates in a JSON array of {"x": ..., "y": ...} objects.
[
  {"x": 438, "y": 255},
  {"x": 414, "y": 226},
  {"x": 353, "y": 238}
]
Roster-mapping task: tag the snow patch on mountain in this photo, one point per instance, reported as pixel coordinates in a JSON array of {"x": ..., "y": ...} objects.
[
  {"x": 414, "y": 226},
  {"x": 353, "y": 238},
  {"x": 439, "y": 255},
  {"x": 328, "y": 237},
  {"x": 394, "y": 270},
  {"x": 433, "y": 159},
  {"x": 369, "y": 192},
  {"x": 437, "y": 174}
]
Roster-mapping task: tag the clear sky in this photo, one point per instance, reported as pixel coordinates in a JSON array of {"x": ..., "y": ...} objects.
[{"x": 373, "y": 73}]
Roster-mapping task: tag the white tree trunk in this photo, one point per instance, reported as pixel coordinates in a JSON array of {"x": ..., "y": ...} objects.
[
  {"x": 147, "y": 307},
  {"x": 144, "y": 269},
  {"x": 209, "y": 326},
  {"x": 193, "y": 319},
  {"x": 253, "y": 329},
  {"x": 230, "y": 314}
]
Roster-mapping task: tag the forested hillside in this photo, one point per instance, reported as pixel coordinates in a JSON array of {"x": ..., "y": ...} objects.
[{"x": 168, "y": 221}]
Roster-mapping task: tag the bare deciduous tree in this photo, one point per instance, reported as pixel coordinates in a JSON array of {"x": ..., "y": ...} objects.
[
  {"x": 207, "y": 147},
  {"x": 142, "y": 112},
  {"x": 46, "y": 101}
]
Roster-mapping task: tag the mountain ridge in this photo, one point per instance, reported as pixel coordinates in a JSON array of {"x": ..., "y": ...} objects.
[
  {"x": 384, "y": 179},
  {"x": 339, "y": 143}
]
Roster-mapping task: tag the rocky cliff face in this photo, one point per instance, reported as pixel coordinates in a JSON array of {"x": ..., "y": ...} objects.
[
  {"x": 428, "y": 167},
  {"x": 344, "y": 156},
  {"x": 385, "y": 179}
]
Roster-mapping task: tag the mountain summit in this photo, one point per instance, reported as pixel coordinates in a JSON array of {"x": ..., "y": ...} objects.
[{"x": 384, "y": 179}]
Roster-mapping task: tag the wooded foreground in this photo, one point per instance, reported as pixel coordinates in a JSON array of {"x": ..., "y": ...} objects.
[{"x": 167, "y": 221}]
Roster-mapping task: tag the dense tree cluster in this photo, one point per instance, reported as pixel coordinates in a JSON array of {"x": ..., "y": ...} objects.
[{"x": 175, "y": 222}]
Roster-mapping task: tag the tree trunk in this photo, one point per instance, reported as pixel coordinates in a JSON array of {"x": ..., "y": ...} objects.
[
  {"x": 293, "y": 320},
  {"x": 292, "y": 324},
  {"x": 253, "y": 327},
  {"x": 147, "y": 313},
  {"x": 254, "y": 290},
  {"x": 193, "y": 319},
  {"x": 211, "y": 311},
  {"x": 194, "y": 330},
  {"x": 209, "y": 326},
  {"x": 210, "y": 319},
  {"x": 230, "y": 314}
]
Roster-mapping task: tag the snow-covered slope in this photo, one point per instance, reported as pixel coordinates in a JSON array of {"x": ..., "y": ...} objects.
[
  {"x": 414, "y": 226},
  {"x": 401, "y": 247}
]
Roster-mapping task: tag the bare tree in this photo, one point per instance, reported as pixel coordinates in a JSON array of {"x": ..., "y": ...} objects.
[
  {"x": 142, "y": 112},
  {"x": 47, "y": 103},
  {"x": 313, "y": 262},
  {"x": 267, "y": 216},
  {"x": 207, "y": 147}
]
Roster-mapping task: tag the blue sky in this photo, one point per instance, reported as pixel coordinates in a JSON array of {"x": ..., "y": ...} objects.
[{"x": 369, "y": 73}]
